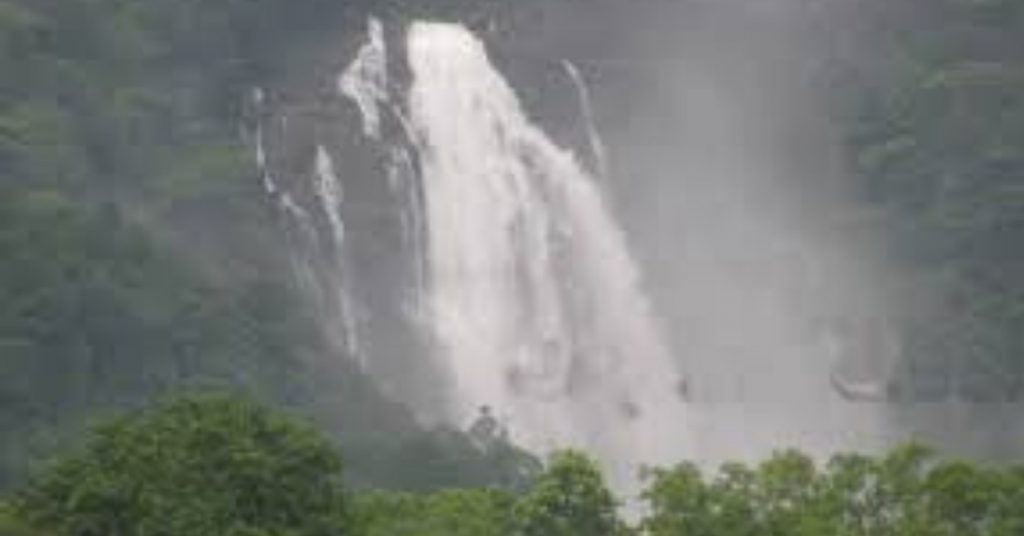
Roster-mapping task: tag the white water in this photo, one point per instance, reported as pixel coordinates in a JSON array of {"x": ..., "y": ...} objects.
[
  {"x": 533, "y": 297},
  {"x": 597, "y": 148},
  {"x": 328, "y": 189},
  {"x": 365, "y": 81},
  {"x": 269, "y": 185},
  {"x": 401, "y": 176}
]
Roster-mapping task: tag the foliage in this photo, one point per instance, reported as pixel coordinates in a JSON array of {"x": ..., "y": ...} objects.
[
  {"x": 479, "y": 512},
  {"x": 568, "y": 499},
  {"x": 139, "y": 249},
  {"x": 932, "y": 110},
  {"x": 445, "y": 458},
  {"x": 95, "y": 316},
  {"x": 11, "y": 525},
  {"x": 213, "y": 464},
  {"x": 905, "y": 493},
  {"x": 200, "y": 465}
]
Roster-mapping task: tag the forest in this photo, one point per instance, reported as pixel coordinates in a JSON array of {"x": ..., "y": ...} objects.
[
  {"x": 933, "y": 123},
  {"x": 138, "y": 249},
  {"x": 136, "y": 265},
  {"x": 216, "y": 465}
]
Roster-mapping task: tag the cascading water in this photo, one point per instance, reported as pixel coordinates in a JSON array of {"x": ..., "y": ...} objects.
[
  {"x": 269, "y": 186},
  {"x": 328, "y": 188},
  {"x": 532, "y": 295},
  {"x": 297, "y": 221},
  {"x": 597, "y": 148},
  {"x": 366, "y": 80},
  {"x": 365, "y": 83}
]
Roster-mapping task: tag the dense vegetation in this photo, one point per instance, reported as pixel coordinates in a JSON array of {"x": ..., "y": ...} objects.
[
  {"x": 214, "y": 465},
  {"x": 932, "y": 106},
  {"x": 139, "y": 253},
  {"x": 117, "y": 141},
  {"x": 201, "y": 466}
]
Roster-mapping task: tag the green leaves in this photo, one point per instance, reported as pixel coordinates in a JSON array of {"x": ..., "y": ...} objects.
[
  {"x": 904, "y": 493},
  {"x": 480, "y": 512},
  {"x": 201, "y": 465},
  {"x": 11, "y": 525},
  {"x": 210, "y": 465},
  {"x": 568, "y": 499},
  {"x": 934, "y": 123}
]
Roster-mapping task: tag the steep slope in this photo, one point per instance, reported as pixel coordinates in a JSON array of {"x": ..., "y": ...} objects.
[{"x": 142, "y": 255}]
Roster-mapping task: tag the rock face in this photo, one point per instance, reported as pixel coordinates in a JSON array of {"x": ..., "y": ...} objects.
[{"x": 333, "y": 143}]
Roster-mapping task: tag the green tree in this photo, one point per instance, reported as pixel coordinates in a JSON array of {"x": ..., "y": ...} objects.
[
  {"x": 569, "y": 498},
  {"x": 781, "y": 497},
  {"x": 904, "y": 493},
  {"x": 679, "y": 501},
  {"x": 199, "y": 465}
]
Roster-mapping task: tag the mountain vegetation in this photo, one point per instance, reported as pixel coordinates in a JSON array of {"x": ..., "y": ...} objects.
[
  {"x": 134, "y": 264},
  {"x": 932, "y": 107},
  {"x": 139, "y": 251}
]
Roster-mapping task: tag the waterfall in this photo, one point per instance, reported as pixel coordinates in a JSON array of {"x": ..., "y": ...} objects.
[
  {"x": 533, "y": 297},
  {"x": 597, "y": 148},
  {"x": 365, "y": 81},
  {"x": 257, "y": 101},
  {"x": 402, "y": 181},
  {"x": 328, "y": 189}
]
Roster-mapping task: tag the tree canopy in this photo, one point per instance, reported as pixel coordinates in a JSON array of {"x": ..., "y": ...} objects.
[
  {"x": 199, "y": 465},
  {"x": 213, "y": 464}
]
